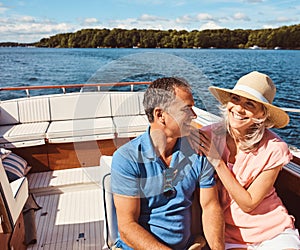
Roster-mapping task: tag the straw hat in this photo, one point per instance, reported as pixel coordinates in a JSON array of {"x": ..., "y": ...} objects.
[{"x": 258, "y": 87}]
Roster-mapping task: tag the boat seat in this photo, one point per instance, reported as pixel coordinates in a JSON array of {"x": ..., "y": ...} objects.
[
  {"x": 79, "y": 106},
  {"x": 141, "y": 98},
  {"x": 12, "y": 199},
  {"x": 80, "y": 117},
  {"x": 81, "y": 130},
  {"x": 130, "y": 126},
  {"x": 110, "y": 217},
  {"x": 9, "y": 113},
  {"x": 128, "y": 114},
  {"x": 24, "y": 123},
  {"x": 23, "y": 135}
]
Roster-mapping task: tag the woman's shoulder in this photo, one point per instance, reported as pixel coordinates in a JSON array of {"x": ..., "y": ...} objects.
[
  {"x": 272, "y": 139},
  {"x": 275, "y": 148}
]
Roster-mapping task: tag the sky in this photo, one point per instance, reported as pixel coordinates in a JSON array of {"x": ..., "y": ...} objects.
[{"x": 31, "y": 20}]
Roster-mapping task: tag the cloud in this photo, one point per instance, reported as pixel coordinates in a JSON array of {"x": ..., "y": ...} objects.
[
  {"x": 184, "y": 19},
  {"x": 180, "y": 3},
  {"x": 30, "y": 29},
  {"x": 25, "y": 28},
  {"x": 210, "y": 25},
  {"x": 282, "y": 19},
  {"x": 204, "y": 17},
  {"x": 92, "y": 20},
  {"x": 279, "y": 21},
  {"x": 150, "y": 18},
  {"x": 27, "y": 19},
  {"x": 3, "y": 9},
  {"x": 146, "y": 21},
  {"x": 240, "y": 17}
]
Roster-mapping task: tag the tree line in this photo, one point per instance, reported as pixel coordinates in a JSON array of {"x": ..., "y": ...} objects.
[{"x": 287, "y": 37}]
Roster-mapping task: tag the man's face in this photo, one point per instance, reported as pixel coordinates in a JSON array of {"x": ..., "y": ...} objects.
[{"x": 179, "y": 115}]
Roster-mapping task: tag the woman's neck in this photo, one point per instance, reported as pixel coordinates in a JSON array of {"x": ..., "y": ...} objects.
[
  {"x": 232, "y": 146},
  {"x": 238, "y": 135}
]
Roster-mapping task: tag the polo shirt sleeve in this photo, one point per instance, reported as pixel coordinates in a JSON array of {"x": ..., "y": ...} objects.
[
  {"x": 206, "y": 177},
  {"x": 124, "y": 174}
]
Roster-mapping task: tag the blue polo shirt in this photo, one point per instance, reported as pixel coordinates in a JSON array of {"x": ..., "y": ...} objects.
[{"x": 138, "y": 171}]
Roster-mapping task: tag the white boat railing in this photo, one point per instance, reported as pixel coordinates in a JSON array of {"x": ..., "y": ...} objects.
[{"x": 27, "y": 89}]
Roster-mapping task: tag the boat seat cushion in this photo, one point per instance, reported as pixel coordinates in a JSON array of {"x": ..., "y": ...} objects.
[
  {"x": 26, "y": 134},
  {"x": 81, "y": 130},
  {"x": 141, "y": 98},
  {"x": 23, "y": 132},
  {"x": 124, "y": 104},
  {"x": 34, "y": 110},
  {"x": 15, "y": 166},
  {"x": 4, "y": 132},
  {"x": 80, "y": 106},
  {"x": 130, "y": 126},
  {"x": 9, "y": 113}
]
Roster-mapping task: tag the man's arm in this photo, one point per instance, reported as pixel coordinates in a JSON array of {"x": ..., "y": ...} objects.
[
  {"x": 212, "y": 218},
  {"x": 134, "y": 235}
]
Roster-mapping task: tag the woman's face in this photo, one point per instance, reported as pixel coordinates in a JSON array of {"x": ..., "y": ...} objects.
[{"x": 241, "y": 112}]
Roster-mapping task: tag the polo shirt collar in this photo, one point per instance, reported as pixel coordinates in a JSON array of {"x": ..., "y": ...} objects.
[{"x": 148, "y": 149}]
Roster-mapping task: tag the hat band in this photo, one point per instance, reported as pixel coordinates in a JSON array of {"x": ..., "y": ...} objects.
[{"x": 251, "y": 91}]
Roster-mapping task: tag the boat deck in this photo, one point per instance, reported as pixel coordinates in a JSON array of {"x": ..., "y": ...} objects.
[
  {"x": 72, "y": 209},
  {"x": 72, "y": 214}
]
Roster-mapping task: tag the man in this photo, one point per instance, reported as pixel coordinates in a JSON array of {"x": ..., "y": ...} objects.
[{"x": 154, "y": 177}]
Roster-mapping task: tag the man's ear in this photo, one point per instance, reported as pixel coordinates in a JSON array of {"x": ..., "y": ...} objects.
[{"x": 159, "y": 115}]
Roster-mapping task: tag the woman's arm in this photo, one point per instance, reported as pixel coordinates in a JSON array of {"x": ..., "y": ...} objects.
[{"x": 247, "y": 199}]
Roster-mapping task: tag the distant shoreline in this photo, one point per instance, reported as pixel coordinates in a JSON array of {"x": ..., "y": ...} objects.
[
  {"x": 32, "y": 46},
  {"x": 285, "y": 37}
]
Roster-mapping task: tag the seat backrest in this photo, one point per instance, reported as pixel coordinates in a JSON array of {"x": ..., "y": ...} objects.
[
  {"x": 80, "y": 106},
  {"x": 124, "y": 104},
  {"x": 9, "y": 113},
  {"x": 110, "y": 216},
  {"x": 34, "y": 110},
  {"x": 141, "y": 98}
]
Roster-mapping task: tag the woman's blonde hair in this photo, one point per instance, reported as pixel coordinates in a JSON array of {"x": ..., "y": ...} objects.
[{"x": 254, "y": 134}]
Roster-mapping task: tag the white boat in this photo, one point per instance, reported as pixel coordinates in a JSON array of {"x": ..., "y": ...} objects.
[
  {"x": 254, "y": 47},
  {"x": 68, "y": 139}
]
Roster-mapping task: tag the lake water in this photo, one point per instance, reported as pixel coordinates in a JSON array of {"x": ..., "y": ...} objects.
[{"x": 201, "y": 67}]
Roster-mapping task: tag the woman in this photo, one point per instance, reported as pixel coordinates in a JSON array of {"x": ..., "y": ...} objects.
[{"x": 247, "y": 157}]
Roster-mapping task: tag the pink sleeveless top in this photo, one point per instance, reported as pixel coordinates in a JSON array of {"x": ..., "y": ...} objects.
[{"x": 270, "y": 217}]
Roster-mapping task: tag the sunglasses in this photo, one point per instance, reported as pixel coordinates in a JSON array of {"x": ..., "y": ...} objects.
[{"x": 169, "y": 176}]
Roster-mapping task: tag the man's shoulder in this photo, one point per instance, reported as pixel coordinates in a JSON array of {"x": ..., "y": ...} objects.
[
  {"x": 186, "y": 148},
  {"x": 130, "y": 148}
]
